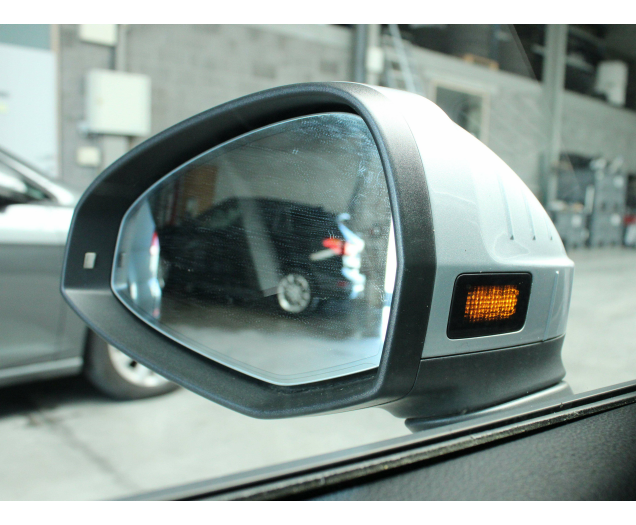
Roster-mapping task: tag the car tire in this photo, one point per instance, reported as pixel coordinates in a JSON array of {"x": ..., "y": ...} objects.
[
  {"x": 295, "y": 294},
  {"x": 118, "y": 376}
]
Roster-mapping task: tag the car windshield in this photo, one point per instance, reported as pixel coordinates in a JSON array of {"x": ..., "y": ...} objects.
[
  {"x": 15, "y": 189},
  {"x": 81, "y": 420}
]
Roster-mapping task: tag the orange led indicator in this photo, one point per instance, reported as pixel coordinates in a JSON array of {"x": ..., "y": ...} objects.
[{"x": 491, "y": 303}]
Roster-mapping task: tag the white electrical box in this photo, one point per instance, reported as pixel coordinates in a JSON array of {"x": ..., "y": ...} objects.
[
  {"x": 103, "y": 34},
  {"x": 117, "y": 103}
]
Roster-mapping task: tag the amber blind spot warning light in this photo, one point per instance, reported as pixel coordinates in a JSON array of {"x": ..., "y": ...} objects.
[{"x": 489, "y": 304}]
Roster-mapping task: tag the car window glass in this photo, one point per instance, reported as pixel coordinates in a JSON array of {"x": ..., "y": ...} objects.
[
  {"x": 280, "y": 219},
  {"x": 15, "y": 190},
  {"x": 221, "y": 218}
]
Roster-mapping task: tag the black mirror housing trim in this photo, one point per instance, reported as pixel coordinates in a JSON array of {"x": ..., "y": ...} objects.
[
  {"x": 100, "y": 211},
  {"x": 459, "y": 384}
]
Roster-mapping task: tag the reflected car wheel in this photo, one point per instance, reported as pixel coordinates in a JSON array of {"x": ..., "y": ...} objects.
[
  {"x": 119, "y": 376},
  {"x": 294, "y": 294}
]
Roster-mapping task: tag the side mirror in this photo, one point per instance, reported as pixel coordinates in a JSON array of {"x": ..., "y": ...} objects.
[{"x": 323, "y": 247}]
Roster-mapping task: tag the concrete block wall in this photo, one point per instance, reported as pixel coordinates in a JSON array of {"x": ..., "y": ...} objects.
[
  {"x": 515, "y": 129},
  {"x": 593, "y": 127},
  {"x": 194, "y": 68},
  {"x": 197, "y": 67}
]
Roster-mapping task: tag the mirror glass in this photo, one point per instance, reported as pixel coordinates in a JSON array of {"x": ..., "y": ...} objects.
[{"x": 272, "y": 254}]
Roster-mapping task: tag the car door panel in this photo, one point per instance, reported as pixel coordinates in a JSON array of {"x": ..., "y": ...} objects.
[
  {"x": 32, "y": 238},
  {"x": 590, "y": 459}
]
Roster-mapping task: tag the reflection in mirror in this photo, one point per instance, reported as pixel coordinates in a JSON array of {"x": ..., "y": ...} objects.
[{"x": 272, "y": 254}]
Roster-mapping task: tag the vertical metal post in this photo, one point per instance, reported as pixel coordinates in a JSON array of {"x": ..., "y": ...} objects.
[
  {"x": 494, "y": 42},
  {"x": 121, "y": 49},
  {"x": 360, "y": 38},
  {"x": 56, "y": 47},
  {"x": 114, "y": 146},
  {"x": 554, "y": 64},
  {"x": 375, "y": 55}
]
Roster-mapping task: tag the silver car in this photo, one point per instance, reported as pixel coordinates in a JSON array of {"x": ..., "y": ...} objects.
[{"x": 40, "y": 336}]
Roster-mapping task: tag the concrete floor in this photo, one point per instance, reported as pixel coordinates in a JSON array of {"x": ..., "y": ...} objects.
[
  {"x": 600, "y": 345},
  {"x": 62, "y": 440}
]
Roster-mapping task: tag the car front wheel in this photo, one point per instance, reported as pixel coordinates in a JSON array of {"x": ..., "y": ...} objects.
[{"x": 119, "y": 376}]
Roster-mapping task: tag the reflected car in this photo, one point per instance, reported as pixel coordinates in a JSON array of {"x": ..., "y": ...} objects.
[
  {"x": 250, "y": 248},
  {"x": 40, "y": 336}
]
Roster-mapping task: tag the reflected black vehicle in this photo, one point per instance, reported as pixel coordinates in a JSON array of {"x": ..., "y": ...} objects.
[{"x": 251, "y": 248}]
